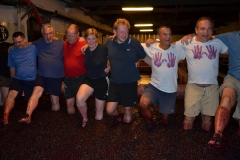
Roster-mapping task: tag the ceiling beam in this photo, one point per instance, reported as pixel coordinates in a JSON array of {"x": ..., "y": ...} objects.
[
  {"x": 145, "y": 2},
  {"x": 170, "y": 10}
]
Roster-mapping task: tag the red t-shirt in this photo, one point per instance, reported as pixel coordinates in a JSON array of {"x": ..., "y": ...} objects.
[{"x": 74, "y": 59}]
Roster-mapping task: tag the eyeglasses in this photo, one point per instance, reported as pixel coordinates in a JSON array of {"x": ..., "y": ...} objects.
[
  {"x": 46, "y": 34},
  {"x": 19, "y": 42}
]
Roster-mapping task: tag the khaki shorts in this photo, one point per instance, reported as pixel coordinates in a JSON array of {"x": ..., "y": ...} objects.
[
  {"x": 230, "y": 82},
  {"x": 4, "y": 82},
  {"x": 203, "y": 100}
]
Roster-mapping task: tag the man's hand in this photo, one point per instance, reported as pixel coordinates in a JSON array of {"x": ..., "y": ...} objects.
[
  {"x": 107, "y": 69},
  {"x": 81, "y": 39},
  {"x": 149, "y": 42},
  {"x": 84, "y": 48},
  {"x": 10, "y": 48},
  {"x": 55, "y": 38},
  {"x": 112, "y": 36},
  {"x": 187, "y": 39}
]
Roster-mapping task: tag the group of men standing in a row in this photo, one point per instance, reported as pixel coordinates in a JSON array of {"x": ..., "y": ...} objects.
[{"x": 202, "y": 91}]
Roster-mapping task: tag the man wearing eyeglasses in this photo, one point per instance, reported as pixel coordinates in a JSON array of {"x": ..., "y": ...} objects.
[
  {"x": 50, "y": 71},
  {"x": 22, "y": 63}
]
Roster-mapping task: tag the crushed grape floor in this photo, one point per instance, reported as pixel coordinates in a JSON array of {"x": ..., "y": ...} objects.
[{"x": 57, "y": 135}]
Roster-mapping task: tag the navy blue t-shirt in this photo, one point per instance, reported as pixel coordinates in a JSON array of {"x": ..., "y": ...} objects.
[
  {"x": 96, "y": 61},
  {"x": 50, "y": 58},
  {"x": 123, "y": 58}
]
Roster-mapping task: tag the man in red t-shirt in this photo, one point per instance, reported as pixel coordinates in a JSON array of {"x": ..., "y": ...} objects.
[{"x": 73, "y": 66}]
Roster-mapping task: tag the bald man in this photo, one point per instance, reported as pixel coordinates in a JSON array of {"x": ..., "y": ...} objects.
[{"x": 74, "y": 69}]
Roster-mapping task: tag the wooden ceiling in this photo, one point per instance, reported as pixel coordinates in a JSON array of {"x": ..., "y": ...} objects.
[{"x": 181, "y": 15}]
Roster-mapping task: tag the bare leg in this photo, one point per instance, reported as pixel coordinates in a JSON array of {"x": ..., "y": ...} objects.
[
  {"x": 222, "y": 116},
  {"x": 9, "y": 104},
  {"x": 99, "y": 109},
  {"x": 32, "y": 104},
  {"x": 127, "y": 115},
  {"x": 83, "y": 93},
  {"x": 165, "y": 119},
  {"x": 55, "y": 102},
  {"x": 70, "y": 105},
  {"x": 145, "y": 104},
  {"x": 188, "y": 122},
  {"x": 112, "y": 110},
  {"x": 4, "y": 93},
  {"x": 206, "y": 122}
]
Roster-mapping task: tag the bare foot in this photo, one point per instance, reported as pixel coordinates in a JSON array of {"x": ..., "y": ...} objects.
[
  {"x": 216, "y": 140},
  {"x": 70, "y": 110},
  {"x": 99, "y": 116},
  {"x": 188, "y": 123},
  {"x": 26, "y": 119},
  {"x": 206, "y": 126},
  {"x": 84, "y": 123},
  {"x": 55, "y": 108},
  {"x": 5, "y": 121}
]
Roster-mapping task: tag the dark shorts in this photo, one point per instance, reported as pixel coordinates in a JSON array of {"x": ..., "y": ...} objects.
[
  {"x": 71, "y": 86},
  {"x": 50, "y": 85},
  {"x": 4, "y": 81},
  {"x": 20, "y": 86},
  {"x": 165, "y": 100},
  {"x": 125, "y": 94},
  {"x": 100, "y": 87}
]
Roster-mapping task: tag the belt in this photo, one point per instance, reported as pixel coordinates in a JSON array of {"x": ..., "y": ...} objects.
[{"x": 72, "y": 77}]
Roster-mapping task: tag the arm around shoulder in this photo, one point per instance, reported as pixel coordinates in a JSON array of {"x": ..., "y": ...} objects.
[{"x": 147, "y": 60}]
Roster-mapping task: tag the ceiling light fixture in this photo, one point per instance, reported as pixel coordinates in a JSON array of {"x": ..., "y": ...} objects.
[
  {"x": 137, "y": 8},
  {"x": 146, "y": 30},
  {"x": 143, "y": 25}
]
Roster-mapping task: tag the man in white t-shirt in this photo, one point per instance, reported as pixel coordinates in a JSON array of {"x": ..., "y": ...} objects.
[
  {"x": 202, "y": 90},
  {"x": 163, "y": 85}
]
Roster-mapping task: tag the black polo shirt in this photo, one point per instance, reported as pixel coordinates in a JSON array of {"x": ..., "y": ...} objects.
[{"x": 123, "y": 58}]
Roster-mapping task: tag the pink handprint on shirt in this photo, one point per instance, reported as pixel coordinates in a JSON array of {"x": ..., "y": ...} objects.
[
  {"x": 171, "y": 60},
  {"x": 197, "y": 52},
  {"x": 211, "y": 51},
  {"x": 157, "y": 59}
]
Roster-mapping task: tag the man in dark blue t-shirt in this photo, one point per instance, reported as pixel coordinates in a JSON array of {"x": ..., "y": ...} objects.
[
  {"x": 124, "y": 52},
  {"x": 50, "y": 71}
]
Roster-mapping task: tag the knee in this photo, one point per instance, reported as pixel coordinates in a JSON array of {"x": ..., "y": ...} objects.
[
  {"x": 55, "y": 102},
  {"x": 206, "y": 118},
  {"x": 9, "y": 102},
  {"x": 110, "y": 110},
  {"x": 222, "y": 109},
  {"x": 189, "y": 119},
  {"x": 227, "y": 101},
  {"x": 144, "y": 105},
  {"x": 80, "y": 101}
]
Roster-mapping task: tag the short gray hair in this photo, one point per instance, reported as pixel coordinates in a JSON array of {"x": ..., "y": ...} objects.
[{"x": 46, "y": 26}]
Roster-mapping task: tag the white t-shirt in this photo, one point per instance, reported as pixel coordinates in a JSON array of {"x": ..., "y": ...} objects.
[
  {"x": 203, "y": 60},
  {"x": 164, "y": 66}
]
